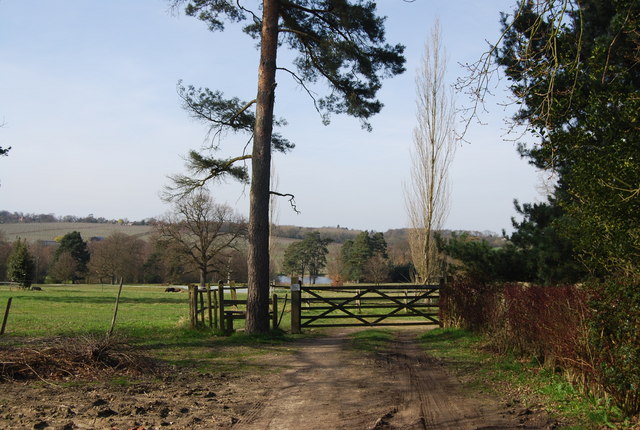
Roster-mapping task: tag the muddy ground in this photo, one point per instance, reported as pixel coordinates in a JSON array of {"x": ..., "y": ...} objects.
[{"x": 324, "y": 385}]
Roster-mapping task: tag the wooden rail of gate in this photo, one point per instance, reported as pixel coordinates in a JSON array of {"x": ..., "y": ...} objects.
[{"x": 368, "y": 305}]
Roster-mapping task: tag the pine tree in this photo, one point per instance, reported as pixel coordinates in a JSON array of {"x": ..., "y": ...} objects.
[
  {"x": 20, "y": 265},
  {"x": 341, "y": 42},
  {"x": 73, "y": 244}
]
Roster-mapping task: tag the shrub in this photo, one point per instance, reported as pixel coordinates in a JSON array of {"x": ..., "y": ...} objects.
[
  {"x": 549, "y": 323},
  {"x": 615, "y": 335},
  {"x": 592, "y": 334},
  {"x": 470, "y": 305}
]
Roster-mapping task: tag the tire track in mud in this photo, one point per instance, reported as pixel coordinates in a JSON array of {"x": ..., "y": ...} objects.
[
  {"x": 330, "y": 386},
  {"x": 431, "y": 399}
]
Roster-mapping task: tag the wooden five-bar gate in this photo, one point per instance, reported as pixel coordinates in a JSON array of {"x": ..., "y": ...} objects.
[{"x": 364, "y": 305}]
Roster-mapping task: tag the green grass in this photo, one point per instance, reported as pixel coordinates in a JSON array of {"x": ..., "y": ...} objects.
[
  {"x": 531, "y": 384},
  {"x": 148, "y": 317},
  {"x": 371, "y": 340},
  {"x": 80, "y": 309}
]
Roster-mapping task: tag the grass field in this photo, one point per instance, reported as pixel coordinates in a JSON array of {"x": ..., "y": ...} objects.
[
  {"x": 50, "y": 230},
  {"x": 144, "y": 312},
  {"x": 148, "y": 317}
]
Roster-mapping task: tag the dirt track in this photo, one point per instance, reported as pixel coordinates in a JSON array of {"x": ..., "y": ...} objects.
[
  {"x": 330, "y": 387},
  {"x": 325, "y": 385}
]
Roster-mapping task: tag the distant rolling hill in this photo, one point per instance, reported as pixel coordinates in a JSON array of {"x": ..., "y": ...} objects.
[{"x": 50, "y": 230}]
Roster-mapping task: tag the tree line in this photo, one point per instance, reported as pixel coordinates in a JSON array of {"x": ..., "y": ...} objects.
[
  {"x": 7, "y": 217},
  {"x": 199, "y": 241}
]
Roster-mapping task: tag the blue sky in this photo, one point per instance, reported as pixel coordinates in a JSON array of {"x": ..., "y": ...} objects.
[{"x": 88, "y": 98}]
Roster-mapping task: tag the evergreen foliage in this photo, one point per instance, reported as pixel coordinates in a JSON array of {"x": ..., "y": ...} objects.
[
  {"x": 308, "y": 255},
  {"x": 73, "y": 244},
  {"x": 20, "y": 265},
  {"x": 535, "y": 251},
  {"x": 573, "y": 66},
  {"x": 579, "y": 88},
  {"x": 356, "y": 254},
  {"x": 339, "y": 41}
]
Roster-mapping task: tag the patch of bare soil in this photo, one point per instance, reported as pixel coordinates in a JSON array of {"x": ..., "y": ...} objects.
[{"x": 325, "y": 385}]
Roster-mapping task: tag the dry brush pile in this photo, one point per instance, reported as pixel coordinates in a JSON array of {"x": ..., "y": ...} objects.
[{"x": 86, "y": 357}]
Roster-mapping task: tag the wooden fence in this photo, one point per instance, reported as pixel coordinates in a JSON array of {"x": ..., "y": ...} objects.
[
  {"x": 221, "y": 309},
  {"x": 368, "y": 305}
]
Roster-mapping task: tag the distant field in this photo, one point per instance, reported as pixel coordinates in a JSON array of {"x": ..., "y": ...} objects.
[{"x": 49, "y": 231}]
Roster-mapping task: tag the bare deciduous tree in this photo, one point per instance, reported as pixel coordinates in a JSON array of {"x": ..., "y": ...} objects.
[
  {"x": 201, "y": 230},
  {"x": 119, "y": 256},
  {"x": 434, "y": 143}
]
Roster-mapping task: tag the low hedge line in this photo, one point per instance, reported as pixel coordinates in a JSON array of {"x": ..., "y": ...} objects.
[{"x": 592, "y": 333}]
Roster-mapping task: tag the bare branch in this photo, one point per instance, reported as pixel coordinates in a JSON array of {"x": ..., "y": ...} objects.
[
  {"x": 256, "y": 18},
  {"x": 292, "y": 201},
  {"x": 311, "y": 94}
]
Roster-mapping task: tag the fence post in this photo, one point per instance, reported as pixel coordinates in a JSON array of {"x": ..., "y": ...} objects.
[
  {"x": 295, "y": 308},
  {"x": 215, "y": 310},
  {"x": 6, "y": 315},
  {"x": 274, "y": 308},
  {"x": 210, "y": 305},
  {"x": 193, "y": 306},
  {"x": 442, "y": 289},
  {"x": 221, "y": 305},
  {"x": 201, "y": 294}
]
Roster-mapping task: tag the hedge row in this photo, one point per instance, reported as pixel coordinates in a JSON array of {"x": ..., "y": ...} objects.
[{"x": 591, "y": 333}]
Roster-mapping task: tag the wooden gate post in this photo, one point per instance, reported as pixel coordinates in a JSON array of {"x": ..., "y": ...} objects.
[
  {"x": 215, "y": 309},
  {"x": 193, "y": 306},
  {"x": 274, "y": 317},
  {"x": 296, "y": 303},
  {"x": 201, "y": 295},
  {"x": 210, "y": 305},
  {"x": 221, "y": 306}
]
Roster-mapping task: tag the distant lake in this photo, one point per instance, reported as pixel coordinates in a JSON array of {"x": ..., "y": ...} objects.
[{"x": 286, "y": 280}]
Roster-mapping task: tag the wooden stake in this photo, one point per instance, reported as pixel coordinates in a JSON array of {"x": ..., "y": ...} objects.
[
  {"x": 295, "y": 309},
  {"x": 201, "y": 294},
  {"x": 210, "y": 305},
  {"x": 215, "y": 310},
  {"x": 115, "y": 311},
  {"x": 221, "y": 306},
  {"x": 193, "y": 306},
  {"x": 274, "y": 308},
  {"x": 6, "y": 315}
]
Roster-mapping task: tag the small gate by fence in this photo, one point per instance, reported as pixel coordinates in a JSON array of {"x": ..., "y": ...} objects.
[
  {"x": 222, "y": 309},
  {"x": 368, "y": 305}
]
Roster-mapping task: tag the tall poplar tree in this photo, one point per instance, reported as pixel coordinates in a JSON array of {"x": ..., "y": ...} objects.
[
  {"x": 434, "y": 144},
  {"x": 341, "y": 42}
]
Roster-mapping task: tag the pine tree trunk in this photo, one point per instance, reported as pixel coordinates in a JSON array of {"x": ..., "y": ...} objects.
[{"x": 258, "y": 282}]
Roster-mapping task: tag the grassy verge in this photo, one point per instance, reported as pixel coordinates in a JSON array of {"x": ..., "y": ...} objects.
[{"x": 520, "y": 381}]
